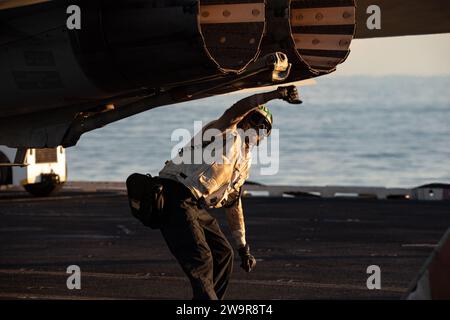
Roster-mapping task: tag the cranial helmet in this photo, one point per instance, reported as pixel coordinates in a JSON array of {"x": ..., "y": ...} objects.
[{"x": 261, "y": 116}]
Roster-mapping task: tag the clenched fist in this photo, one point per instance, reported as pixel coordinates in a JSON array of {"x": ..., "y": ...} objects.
[
  {"x": 289, "y": 94},
  {"x": 248, "y": 262}
]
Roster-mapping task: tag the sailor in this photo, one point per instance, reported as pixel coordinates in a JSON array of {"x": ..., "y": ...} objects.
[{"x": 192, "y": 234}]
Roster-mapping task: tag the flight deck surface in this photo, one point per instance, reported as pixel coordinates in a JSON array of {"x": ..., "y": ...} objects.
[{"x": 305, "y": 248}]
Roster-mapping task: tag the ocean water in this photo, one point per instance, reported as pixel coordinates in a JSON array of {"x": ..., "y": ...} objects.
[{"x": 366, "y": 131}]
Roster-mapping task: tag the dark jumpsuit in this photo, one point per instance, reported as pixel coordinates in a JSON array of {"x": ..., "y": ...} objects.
[{"x": 195, "y": 239}]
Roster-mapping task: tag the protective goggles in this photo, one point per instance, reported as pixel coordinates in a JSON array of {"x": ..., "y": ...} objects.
[{"x": 260, "y": 123}]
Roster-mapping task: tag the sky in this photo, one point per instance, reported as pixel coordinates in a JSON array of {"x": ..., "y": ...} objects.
[{"x": 427, "y": 55}]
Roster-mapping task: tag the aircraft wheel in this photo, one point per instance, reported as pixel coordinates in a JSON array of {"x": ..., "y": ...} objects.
[
  {"x": 49, "y": 185},
  {"x": 5, "y": 172}
]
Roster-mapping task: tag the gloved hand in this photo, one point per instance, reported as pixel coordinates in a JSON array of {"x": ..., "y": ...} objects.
[
  {"x": 248, "y": 261},
  {"x": 289, "y": 94}
]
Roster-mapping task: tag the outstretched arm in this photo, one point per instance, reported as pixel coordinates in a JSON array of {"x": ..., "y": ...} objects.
[{"x": 240, "y": 109}]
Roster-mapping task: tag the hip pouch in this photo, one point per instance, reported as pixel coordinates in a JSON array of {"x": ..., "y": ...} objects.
[{"x": 146, "y": 199}]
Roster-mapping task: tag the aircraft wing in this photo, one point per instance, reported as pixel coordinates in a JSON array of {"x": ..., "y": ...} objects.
[
  {"x": 399, "y": 17},
  {"x": 10, "y": 4},
  {"x": 404, "y": 17}
]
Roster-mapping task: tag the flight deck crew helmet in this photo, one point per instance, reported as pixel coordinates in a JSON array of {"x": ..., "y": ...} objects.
[{"x": 261, "y": 119}]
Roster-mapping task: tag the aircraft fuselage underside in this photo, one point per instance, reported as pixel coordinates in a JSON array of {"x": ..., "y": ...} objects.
[{"x": 131, "y": 56}]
